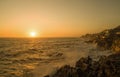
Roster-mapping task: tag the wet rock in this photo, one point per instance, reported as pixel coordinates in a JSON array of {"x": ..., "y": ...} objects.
[
  {"x": 66, "y": 71},
  {"x": 86, "y": 67},
  {"x": 106, "y": 66}
]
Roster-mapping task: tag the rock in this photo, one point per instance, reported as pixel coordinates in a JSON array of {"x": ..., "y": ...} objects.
[
  {"x": 107, "y": 39},
  {"x": 66, "y": 71},
  {"x": 86, "y": 67},
  {"x": 47, "y": 76},
  {"x": 105, "y": 67},
  {"x": 116, "y": 45},
  {"x": 83, "y": 66}
]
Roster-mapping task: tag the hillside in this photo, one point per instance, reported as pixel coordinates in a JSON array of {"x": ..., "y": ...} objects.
[
  {"x": 107, "y": 39},
  {"x": 106, "y": 66}
]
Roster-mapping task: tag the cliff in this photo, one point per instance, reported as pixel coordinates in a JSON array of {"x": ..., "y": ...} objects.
[
  {"x": 107, "y": 39},
  {"x": 105, "y": 67}
]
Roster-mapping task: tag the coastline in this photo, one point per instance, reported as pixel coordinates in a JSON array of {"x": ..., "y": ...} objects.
[{"x": 106, "y": 66}]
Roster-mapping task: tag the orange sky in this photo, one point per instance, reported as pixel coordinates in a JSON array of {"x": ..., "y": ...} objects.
[{"x": 57, "y": 18}]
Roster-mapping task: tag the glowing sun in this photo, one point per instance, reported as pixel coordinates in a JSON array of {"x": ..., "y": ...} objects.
[{"x": 33, "y": 34}]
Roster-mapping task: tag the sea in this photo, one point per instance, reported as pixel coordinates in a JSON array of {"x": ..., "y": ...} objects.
[{"x": 37, "y": 57}]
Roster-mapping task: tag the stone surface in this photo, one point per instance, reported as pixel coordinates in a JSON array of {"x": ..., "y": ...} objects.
[
  {"x": 107, "y": 39},
  {"x": 86, "y": 67}
]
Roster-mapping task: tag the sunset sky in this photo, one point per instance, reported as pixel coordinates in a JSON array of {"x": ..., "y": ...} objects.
[{"x": 57, "y": 18}]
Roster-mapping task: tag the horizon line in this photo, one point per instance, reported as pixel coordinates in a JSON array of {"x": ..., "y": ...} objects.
[{"x": 46, "y": 37}]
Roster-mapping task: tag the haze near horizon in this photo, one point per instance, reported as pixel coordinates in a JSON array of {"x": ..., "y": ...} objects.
[{"x": 57, "y": 18}]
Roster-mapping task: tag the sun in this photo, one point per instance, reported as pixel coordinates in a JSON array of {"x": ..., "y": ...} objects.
[{"x": 33, "y": 34}]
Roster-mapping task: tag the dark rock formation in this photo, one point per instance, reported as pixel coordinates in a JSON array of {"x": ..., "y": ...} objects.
[
  {"x": 107, "y": 39},
  {"x": 86, "y": 67},
  {"x": 47, "y": 76},
  {"x": 105, "y": 67},
  {"x": 66, "y": 71}
]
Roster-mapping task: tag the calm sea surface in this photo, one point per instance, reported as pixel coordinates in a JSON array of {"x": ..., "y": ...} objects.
[{"x": 25, "y": 57}]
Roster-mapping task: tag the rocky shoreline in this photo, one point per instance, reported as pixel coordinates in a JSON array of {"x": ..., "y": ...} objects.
[
  {"x": 107, "y": 39},
  {"x": 86, "y": 67},
  {"x": 105, "y": 67}
]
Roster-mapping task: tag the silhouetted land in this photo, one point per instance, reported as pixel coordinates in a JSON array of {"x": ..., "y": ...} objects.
[
  {"x": 105, "y": 67},
  {"x": 107, "y": 39}
]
